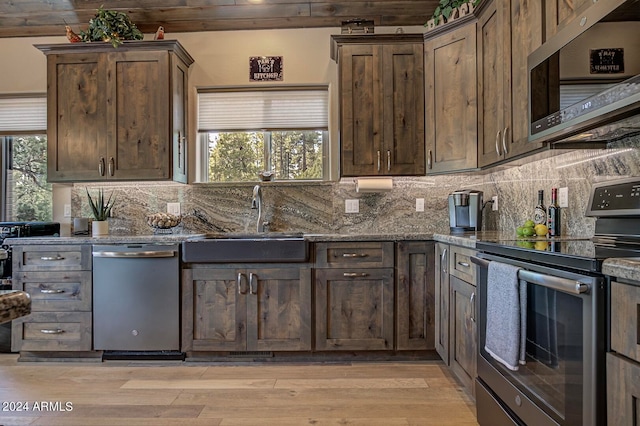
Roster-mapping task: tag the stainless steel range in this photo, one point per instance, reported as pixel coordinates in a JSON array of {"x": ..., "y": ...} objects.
[{"x": 561, "y": 312}]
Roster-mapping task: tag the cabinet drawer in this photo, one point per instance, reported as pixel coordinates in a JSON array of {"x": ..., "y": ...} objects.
[
  {"x": 52, "y": 258},
  {"x": 460, "y": 264},
  {"x": 56, "y": 291},
  {"x": 52, "y": 331},
  {"x": 625, "y": 320},
  {"x": 374, "y": 254}
]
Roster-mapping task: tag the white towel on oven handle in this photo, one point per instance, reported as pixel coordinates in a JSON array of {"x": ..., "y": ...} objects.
[{"x": 505, "y": 335}]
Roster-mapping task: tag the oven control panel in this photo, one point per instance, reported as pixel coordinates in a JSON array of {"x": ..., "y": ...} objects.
[{"x": 616, "y": 198}]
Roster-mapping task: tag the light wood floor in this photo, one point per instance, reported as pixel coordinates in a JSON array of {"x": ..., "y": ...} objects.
[{"x": 172, "y": 393}]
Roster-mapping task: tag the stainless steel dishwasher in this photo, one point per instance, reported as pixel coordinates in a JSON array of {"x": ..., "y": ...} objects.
[{"x": 136, "y": 297}]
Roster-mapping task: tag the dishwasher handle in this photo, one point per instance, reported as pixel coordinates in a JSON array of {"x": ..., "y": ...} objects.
[{"x": 135, "y": 254}]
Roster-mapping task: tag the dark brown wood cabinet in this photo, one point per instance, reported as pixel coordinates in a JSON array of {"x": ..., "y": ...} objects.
[
  {"x": 354, "y": 296},
  {"x": 451, "y": 97},
  {"x": 415, "y": 297},
  {"x": 117, "y": 114},
  {"x": 507, "y": 32},
  {"x": 442, "y": 301},
  {"x": 381, "y": 104},
  {"x": 558, "y": 13},
  {"x": 252, "y": 308}
]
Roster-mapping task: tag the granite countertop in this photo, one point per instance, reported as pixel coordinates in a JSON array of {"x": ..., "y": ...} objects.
[
  {"x": 14, "y": 304},
  {"x": 628, "y": 268}
]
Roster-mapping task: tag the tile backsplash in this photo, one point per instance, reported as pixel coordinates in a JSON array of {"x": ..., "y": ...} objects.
[{"x": 318, "y": 207}]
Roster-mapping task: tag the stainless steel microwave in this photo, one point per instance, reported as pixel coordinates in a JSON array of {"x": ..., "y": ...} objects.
[{"x": 584, "y": 82}]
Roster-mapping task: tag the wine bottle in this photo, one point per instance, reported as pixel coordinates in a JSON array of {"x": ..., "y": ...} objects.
[
  {"x": 540, "y": 212},
  {"x": 553, "y": 215}
]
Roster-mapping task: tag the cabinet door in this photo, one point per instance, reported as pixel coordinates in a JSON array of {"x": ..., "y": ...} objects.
[
  {"x": 492, "y": 69},
  {"x": 354, "y": 309},
  {"x": 76, "y": 107},
  {"x": 138, "y": 115},
  {"x": 361, "y": 109},
  {"x": 180, "y": 119},
  {"x": 623, "y": 391},
  {"x": 442, "y": 301},
  {"x": 451, "y": 100},
  {"x": 403, "y": 120},
  {"x": 279, "y": 309},
  {"x": 415, "y": 301},
  {"x": 463, "y": 337},
  {"x": 214, "y": 310},
  {"x": 560, "y": 12}
]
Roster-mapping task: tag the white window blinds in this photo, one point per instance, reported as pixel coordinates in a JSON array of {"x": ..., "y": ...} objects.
[
  {"x": 263, "y": 110},
  {"x": 23, "y": 114}
]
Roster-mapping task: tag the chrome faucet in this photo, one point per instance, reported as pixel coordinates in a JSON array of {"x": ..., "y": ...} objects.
[{"x": 256, "y": 203}]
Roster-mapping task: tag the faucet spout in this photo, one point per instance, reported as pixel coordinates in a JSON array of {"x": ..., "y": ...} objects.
[{"x": 256, "y": 203}]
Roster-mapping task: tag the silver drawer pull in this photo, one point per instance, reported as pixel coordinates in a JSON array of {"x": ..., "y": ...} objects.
[
  {"x": 51, "y": 258},
  {"x": 52, "y": 331},
  {"x": 47, "y": 291},
  {"x": 355, "y": 274},
  {"x": 350, "y": 255},
  {"x": 465, "y": 264}
]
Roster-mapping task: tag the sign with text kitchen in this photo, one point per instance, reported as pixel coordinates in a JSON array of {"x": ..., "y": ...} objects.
[
  {"x": 265, "y": 68},
  {"x": 606, "y": 61}
]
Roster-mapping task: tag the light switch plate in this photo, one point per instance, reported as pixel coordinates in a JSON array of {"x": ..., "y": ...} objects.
[
  {"x": 67, "y": 210},
  {"x": 419, "y": 204},
  {"x": 173, "y": 208},
  {"x": 563, "y": 197},
  {"x": 494, "y": 207},
  {"x": 352, "y": 206}
]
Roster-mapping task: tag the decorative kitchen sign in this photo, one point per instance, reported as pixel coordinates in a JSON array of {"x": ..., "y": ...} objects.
[
  {"x": 606, "y": 61},
  {"x": 265, "y": 68}
]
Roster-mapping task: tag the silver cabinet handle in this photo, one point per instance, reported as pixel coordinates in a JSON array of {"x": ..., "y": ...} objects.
[
  {"x": 378, "y": 160},
  {"x": 251, "y": 280},
  {"x": 48, "y": 291},
  {"x": 465, "y": 264},
  {"x": 429, "y": 160},
  {"x": 51, "y": 258},
  {"x": 498, "y": 146},
  {"x": 443, "y": 261},
  {"x": 504, "y": 140},
  {"x": 52, "y": 331},
  {"x": 182, "y": 142},
  {"x": 239, "y": 281},
  {"x": 101, "y": 166},
  {"x": 388, "y": 160},
  {"x": 351, "y": 255},
  {"x": 472, "y": 300},
  {"x": 112, "y": 166},
  {"x": 355, "y": 274}
]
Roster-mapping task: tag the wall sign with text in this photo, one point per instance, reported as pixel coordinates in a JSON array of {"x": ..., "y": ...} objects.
[
  {"x": 265, "y": 68},
  {"x": 606, "y": 61}
]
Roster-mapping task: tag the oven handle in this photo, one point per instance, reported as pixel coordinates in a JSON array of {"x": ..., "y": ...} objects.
[{"x": 556, "y": 283}]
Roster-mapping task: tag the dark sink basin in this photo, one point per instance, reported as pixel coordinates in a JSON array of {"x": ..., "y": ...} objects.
[{"x": 244, "y": 248}]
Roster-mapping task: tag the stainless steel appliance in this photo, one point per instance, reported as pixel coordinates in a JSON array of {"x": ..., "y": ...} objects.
[
  {"x": 17, "y": 230},
  {"x": 570, "y": 106},
  {"x": 136, "y": 300},
  {"x": 562, "y": 381},
  {"x": 465, "y": 210}
]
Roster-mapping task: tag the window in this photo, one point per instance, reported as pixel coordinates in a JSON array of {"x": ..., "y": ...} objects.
[
  {"x": 26, "y": 195},
  {"x": 244, "y": 133}
]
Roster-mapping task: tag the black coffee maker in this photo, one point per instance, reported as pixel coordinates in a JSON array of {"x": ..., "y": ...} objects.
[{"x": 465, "y": 210}]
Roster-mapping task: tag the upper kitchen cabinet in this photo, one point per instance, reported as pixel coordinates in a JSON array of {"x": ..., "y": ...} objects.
[
  {"x": 451, "y": 96},
  {"x": 381, "y": 104},
  {"x": 117, "y": 114},
  {"x": 560, "y": 12},
  {"x": 507, "y": 32}
]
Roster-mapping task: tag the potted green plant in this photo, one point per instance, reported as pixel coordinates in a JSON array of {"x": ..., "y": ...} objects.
[
  {"x": 111, "y": 26},
  {"x": 449, "y": 9},
  {"x": 101, "y": 210}
]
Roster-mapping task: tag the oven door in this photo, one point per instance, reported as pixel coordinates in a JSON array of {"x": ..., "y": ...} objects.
[{"x": 564, "y": 350}]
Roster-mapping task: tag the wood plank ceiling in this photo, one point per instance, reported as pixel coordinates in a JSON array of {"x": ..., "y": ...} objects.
[{"x": 21, "y": 18}]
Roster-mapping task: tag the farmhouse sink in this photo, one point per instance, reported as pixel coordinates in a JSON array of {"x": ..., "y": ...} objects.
[{"x": 244, "y": 248}]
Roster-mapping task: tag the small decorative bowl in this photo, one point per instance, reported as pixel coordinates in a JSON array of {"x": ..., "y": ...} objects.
[{"x": 163, "y": 222}]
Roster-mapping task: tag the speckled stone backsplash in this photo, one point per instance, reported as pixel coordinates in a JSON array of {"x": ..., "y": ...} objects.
[{"x": 319, "y": 207}]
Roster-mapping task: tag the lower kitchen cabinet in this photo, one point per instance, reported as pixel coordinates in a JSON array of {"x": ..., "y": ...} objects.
[
  {"x": 415, "y": 298},
  {"x": 463, "y": 346},
  {"x": 354, "y": 309},
  {"x": 442, "y": 301},
  {"x": 246, "y": 309}
]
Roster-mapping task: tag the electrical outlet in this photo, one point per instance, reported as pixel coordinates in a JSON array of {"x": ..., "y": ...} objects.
[
  {"x": 563, "y": 197},
  {"x": 494, "y": 207},
  {"x": 173, "y": 208},
  {"x": 352, "y": 206},
  {"x": 67, "y": 210},
  {"x": 419, "y": 204}
]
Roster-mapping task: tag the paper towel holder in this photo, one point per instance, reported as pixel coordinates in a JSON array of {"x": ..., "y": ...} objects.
[{"x": 373, "y": 184}]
